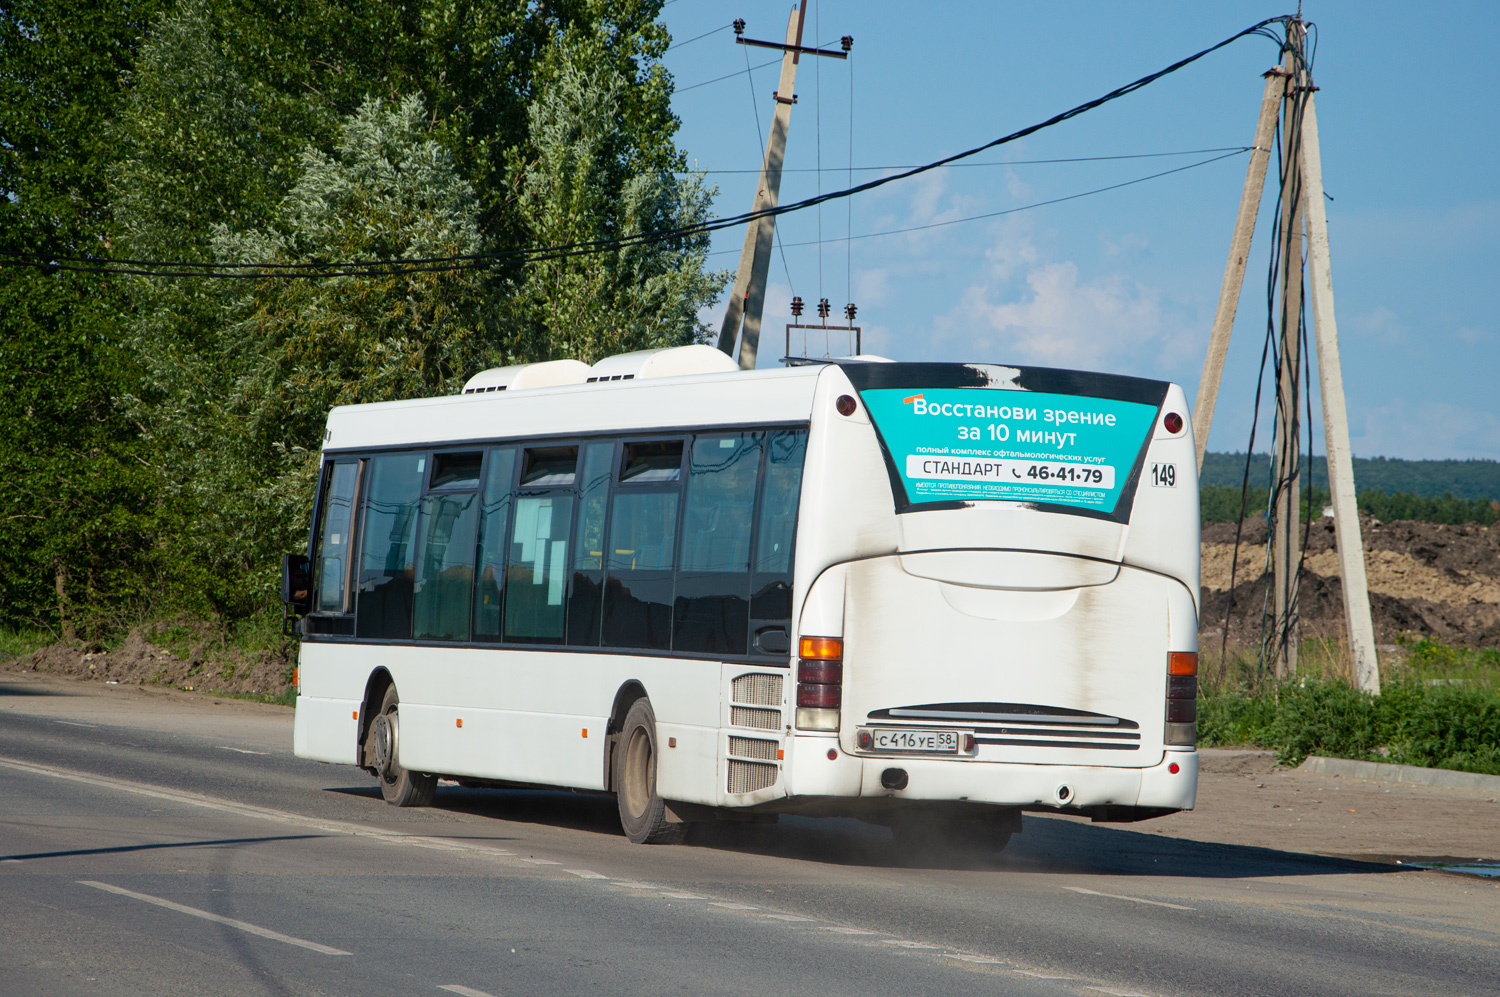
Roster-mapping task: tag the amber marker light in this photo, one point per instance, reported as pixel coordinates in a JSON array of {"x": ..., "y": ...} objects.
[
  {"x": 1182, "y": 663},
  {"x": 821, "y": 648}
]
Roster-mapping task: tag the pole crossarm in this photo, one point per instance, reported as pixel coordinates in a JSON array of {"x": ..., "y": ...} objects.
[{"x": 799, "y": 49}]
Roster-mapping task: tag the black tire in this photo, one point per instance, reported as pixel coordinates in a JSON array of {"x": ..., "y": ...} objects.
[
  {"x": 643, "y": 813},
  {"x": 383, "y": 753}
]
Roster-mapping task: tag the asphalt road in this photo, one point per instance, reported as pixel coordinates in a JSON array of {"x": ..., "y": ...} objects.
[{"x": 158, "y": 846}]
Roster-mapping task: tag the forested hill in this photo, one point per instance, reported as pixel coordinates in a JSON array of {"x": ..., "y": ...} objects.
[{"x": 1464, "y": 479}]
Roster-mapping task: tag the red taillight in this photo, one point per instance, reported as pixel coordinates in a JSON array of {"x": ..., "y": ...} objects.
[
  {"x": 820, "y": 672},
  {"x": 1172, "y": 422},
  {"x": 827, "y": 697},
  {"x": 1182, "y": 711}
]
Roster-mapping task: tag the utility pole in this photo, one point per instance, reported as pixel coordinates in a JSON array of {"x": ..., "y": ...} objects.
[
  {"x": 1286, "y": 550},
  {"x": 748, "y": 298},
  {"x": 1289, "y": 90}
]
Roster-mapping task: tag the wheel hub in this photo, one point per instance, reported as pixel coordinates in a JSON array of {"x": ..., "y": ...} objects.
[{"x": 383, "y": 733}]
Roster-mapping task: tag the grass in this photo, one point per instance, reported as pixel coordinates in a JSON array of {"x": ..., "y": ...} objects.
[
  {"x": 1439, "y": 707},
  {"x": 15, "y": 643}
]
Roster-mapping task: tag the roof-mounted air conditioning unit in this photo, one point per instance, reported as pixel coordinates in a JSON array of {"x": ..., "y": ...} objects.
[
  {"x": 673, "y": 361},
  {"x": 545, "y": 374}
]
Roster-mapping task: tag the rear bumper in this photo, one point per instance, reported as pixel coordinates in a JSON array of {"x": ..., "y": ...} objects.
[{"x": 812, "y": 773}]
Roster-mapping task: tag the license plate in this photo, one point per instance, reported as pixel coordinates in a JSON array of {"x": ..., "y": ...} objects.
[{"x": 938, "y": 741}]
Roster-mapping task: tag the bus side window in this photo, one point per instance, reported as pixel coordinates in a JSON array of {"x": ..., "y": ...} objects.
[
  {"x": 333, "y": 541},
  {"x": 641, "y": 551},
  {"x": 776, "y": 532},
  {"x": 712, "y": 610},
  {"x": 443, "y": 593},
  {"x": 586, "y": 595},
  {"x": 536, "y": 572},
  {"x": 494, "y": 519},
  {"x": 386, "y": 541}
]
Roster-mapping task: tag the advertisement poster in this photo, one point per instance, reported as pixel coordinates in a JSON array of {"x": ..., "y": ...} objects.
[{"x": 966, "y": 444}]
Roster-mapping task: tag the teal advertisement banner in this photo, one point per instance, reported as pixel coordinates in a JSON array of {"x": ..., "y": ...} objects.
[{"x": 965, "y": 444}]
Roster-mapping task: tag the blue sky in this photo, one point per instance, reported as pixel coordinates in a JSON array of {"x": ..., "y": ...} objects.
[{"x": 1127, "y": 280}]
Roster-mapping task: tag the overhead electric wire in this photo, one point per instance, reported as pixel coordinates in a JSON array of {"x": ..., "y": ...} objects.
[
  {"x": 712, "y": 31},
  {"x": 1011, "y": 211},
  {"x": 998, "y": 162},
  {"x": 381, "y": 268}
]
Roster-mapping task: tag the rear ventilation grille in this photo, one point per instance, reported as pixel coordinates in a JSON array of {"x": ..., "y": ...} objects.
[
  {"x": 749, "y": 777},
  {"x": 757, "y": 690},
  {"x": 606, "y": 378},
  {"x": 753, "y": 747},
  {"x": 744, "y": 716}
]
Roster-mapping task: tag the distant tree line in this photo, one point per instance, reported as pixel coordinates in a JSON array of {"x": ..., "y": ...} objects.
[
  {"x": 1462, "y": 479},
  {"x": 1222, "y": 504},
  {"x": 161, "y": 434}
]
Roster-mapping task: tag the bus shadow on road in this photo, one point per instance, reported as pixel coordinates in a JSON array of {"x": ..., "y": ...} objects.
[{"x": 1046, "y": 845}]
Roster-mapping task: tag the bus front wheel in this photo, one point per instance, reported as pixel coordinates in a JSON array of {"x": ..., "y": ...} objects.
[
  {"x": 643, "y": 813},
  {"x": 400, "y": 787}
]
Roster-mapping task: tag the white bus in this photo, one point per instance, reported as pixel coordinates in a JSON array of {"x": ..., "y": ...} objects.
[{"x": 919, "y": 594}]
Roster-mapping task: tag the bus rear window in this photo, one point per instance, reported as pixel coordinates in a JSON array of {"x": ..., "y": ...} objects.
[{"x": 965, "y": 444}]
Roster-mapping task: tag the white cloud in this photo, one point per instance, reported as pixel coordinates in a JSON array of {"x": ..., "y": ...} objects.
[
  {"x": 1424, "y": 431},
  {"x": 1380, "y": 324},
  {"x": 1472, "y": 336}
]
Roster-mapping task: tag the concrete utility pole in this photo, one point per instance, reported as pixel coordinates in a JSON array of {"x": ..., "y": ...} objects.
[
  {"x": 1286, "y": 550},
  {"x": 1289, "y": 89},
  {"x": 748, "y": 298},
  {"x": 1361, "y": 630},
  {"x": 1239, "y": 255}
]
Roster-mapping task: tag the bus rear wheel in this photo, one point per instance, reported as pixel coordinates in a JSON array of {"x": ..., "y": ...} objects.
[
  {"x": 399, "y": 787},
  {"x": 643, "y": 813}
]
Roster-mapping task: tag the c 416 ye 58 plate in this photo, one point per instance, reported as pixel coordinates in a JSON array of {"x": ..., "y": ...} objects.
[{"x": 897, "y": 739}]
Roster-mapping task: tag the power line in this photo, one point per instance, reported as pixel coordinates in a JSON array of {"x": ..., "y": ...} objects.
[
  {"x": 1011, "y": 211},
  {"x": 1001, "y": 162},
  {"x": 695, "y": 38},
  {"x": 383, "y": 268}
]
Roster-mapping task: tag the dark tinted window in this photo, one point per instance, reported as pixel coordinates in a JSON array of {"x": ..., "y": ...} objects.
[
  {"x": 586, "y": 596},
  {"x": 537, "y": 573},
  {"x": 638, "y": 587},
  {"x": 549, "y": 466},
  {"x": 445, "y": 572},
  {"x": 776, "y": 532},
  {"x": 712, "y": 609},
  {"x": 334, "y": 541},
  {"x": 456, "y": 470},
  {"x": 386, "y": 542},
  {"x": 654, "y": 462},
  {"x": 493, "y": 522}
]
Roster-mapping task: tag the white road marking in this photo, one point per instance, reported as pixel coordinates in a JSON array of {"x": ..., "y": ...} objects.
[
  {"x": 731, "y": 906},
  {"x": 1042, "y": 976},
  {"x": 1134, "y": 900},
  {"x": 586, "y": 874},
  {"x": 789, "y": 917},
  {"x": 908, "y": 945},
  {"x": 541, "y": 862},
  {"x": 243, "y": 751},
  {"x": 463, "y": 991},
  {"x": 976, "y": 959},
  {"x": 72, "y": 723},
  {"x": 631, "y": 884},
  {"x": 1119, "y": 993},
  {"x": 253, "y": 929},
  {"x": 848, "y": 931}
]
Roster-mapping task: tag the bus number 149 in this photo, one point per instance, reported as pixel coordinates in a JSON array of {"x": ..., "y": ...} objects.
[{"x": 1164, "y": 475}]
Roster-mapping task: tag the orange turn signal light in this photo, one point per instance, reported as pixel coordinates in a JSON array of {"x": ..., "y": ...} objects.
[
  {"x": 1182, "y": 663},
  {"x": 821, "y": 648}
]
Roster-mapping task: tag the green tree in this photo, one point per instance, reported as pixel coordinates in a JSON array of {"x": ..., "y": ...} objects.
[{"x": 77, "y": 504}]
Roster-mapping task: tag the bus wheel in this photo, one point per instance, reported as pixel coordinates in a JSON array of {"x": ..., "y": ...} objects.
[
  {"x": 383, "y": 750},
  {"x": 643, "y": 813}
]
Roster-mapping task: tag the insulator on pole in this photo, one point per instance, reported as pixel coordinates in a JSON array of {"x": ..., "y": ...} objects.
[
  {"x": 739, "y": 26},
  {"x": 823, "y": 308},
  {"x": 797, "y": 306},
  {"x": 847, "y": 42},
  {"x": 850, "y": 310}
]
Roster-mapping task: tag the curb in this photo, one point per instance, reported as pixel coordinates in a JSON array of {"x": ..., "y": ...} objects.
[{"x": 1414, "y": 774}]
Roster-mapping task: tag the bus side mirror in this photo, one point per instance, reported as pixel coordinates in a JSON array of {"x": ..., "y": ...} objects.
[{"x": 296, "y": 583}]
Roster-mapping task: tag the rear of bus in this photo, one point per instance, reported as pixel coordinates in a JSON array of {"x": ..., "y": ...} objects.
[{"x": 999, "y": 578}]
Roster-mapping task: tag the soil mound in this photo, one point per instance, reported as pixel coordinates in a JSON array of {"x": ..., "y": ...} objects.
[{"x": 1429, "y": 579}]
